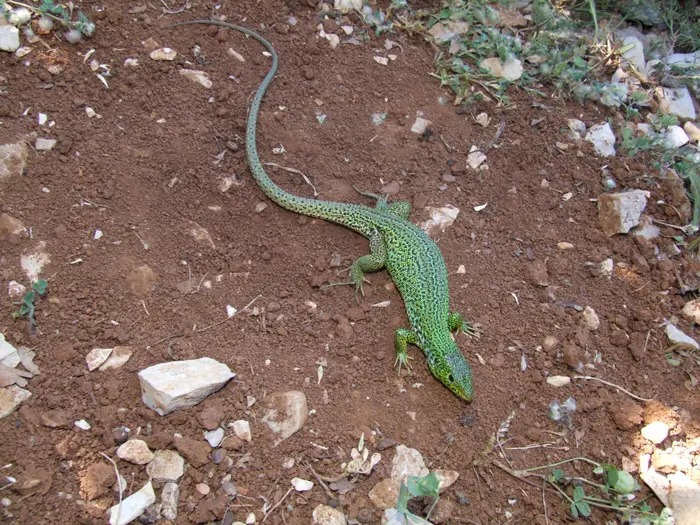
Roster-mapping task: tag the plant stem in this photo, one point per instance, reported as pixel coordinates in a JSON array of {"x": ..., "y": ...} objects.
[{"x": 590, "y": 461}]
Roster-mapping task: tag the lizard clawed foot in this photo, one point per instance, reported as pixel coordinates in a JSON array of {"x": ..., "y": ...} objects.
[
  {"x": 471, "y": 330},
  {"x": 402, "y": 360}
]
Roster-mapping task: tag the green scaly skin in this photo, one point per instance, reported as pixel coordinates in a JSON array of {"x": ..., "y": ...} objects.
[{"x": 412, "y": 259}]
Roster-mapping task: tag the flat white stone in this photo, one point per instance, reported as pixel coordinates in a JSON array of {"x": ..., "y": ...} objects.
[
  {"x": 133, "y": 506},
  {"x": 135, "y": 451},
  {"x": 677, "y": 336},
  {"x": 167, "y": 465},
  {"x": 602, "y": 138},
  {"x": 11, "y": 398},
  {"x": 181, "y": 384},
  {"x": 242, "y": 430},
  {"x": 9, "y": 38}
]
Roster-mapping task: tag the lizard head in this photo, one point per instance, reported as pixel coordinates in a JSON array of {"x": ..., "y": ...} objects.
[{"x": 453, "y": 371}]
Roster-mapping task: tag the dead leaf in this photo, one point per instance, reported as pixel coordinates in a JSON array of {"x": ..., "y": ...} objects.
[
  {"x": 11, "y": 376},
  {"x": 26, "y": 357},
  {"x": 342, "y": 486}
]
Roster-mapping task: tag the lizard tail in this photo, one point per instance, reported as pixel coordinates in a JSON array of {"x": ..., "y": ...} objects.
[{"x": 320, "y": 209}]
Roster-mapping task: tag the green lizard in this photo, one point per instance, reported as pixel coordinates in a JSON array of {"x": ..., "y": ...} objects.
[{"x": 412, "y": 259}]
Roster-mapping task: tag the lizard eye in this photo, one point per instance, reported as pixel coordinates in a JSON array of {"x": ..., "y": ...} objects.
[{"x": 451, "y": 378}]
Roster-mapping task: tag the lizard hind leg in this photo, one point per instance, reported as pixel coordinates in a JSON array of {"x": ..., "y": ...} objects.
[
  {"x": 372, "y": 262},
  {"x": 456, "y": 323},
  {"x": 400, "y": 209}
]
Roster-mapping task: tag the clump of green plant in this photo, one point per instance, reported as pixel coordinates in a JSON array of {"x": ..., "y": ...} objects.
[
  {"x": 414, "y": 487},
  {"x": 617, "y": 492},
  {"x": 27, "y": 307},
  {"x": 48, "y": 11}
]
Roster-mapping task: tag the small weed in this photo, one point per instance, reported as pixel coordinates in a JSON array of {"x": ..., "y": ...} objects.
[
  {"x": 414, "y": 487},
  {"x": 27, "y": 306},
  {"x": 615, "y": 493},
  {"x": 48, "y": 12}
]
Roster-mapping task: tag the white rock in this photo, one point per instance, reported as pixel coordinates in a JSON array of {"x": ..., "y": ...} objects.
[
  {"x": 385, "y": 493},
  {"x": 475, "y": 158},
  {"x": 13, "y": 158},
  {"x": 558, "y": 381},
  {"x": 591, "y": 318},
  {"x": 250, "y": 519},
  {"x": 443, "y": 32},
  {"x": 692, "y": 130},
  {"x": 203, "y": 488},
  {"x": 163, "y": 53},
  {"x": 646, "y": 229},
  {"x": 200, "y": 77},
  {"x": 620, "y": 212},
  {"x": 82, "y": 424},
  {"x": 420, "y": 125},
  {"x": 327, "y": 515},
  {"x": 135, "y": 451},
  {"x": 133, "y": 506},
  {"x": 10, "y": 225},
  {"x": 9, "y": 38},
  {"x": 483, "y": 119},
  {"x": 131, "y": 62},
  {"x": 96, "y": 357},
  {"x": 16, "y": 290},
  {"x": 302, "y": 485},
  {"x": 675, "y": 137},
  {"x": 511, "y": 69},
  {"x": 440, "y": 219},
  {"x": 692, "y": 310},
  {"x": 655, "y": 432},
  {"x": 180, "y": 384},
  {"x": 242, "y": 429},
  {"x": 167, "y": 465},
  {"x": 34, "y": 260},
  {"x": 9, "y": 356},
  {"x": 684, "y": 59},
  {"x": 214, "y": 437},
  {"x": 286, "y": 413},
  {"x": 677, "y": 336},
  {"x": 345, "y": 6},
  {"x": 635, "y": 54},
  {"x": 118, "y": 358},
  {"x": 43, "y": 144},
  {"x": 676, "y": 101},
  {"x": 602, "y": 138},
  {"x": 169, "y": 500},
  {"x": 11, "y": 398},
  {"x": 606, "y": 268},
  {"x": 446, "y": 478},
  {"x": 576, "y": 125},
  {"x": 407, "y": 462}
]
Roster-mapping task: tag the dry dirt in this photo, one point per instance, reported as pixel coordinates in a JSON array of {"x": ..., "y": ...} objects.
[{"x": 147, "y": 182}]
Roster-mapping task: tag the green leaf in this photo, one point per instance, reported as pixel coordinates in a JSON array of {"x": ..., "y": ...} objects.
[
  {"x": 584, "y": 508},
  {"x": 579, "y": 494},
  {"x": 574, "y": 510},
  {"x": 40, "y": 286},
  {"x": 404, "y": 498},
  {"x": 423, "y": 486},
  {"x": 557, "y": 475},
  {"x": 625, "y": 483}
]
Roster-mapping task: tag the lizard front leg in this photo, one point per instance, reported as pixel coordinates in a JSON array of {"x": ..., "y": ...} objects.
[
  {"x": 402, "y": 338},
  {"x": 456, "y": 323},
  {"x": 372, "y": 262}
]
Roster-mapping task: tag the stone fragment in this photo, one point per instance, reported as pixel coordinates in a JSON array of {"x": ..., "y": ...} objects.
[
  {"x": 242, "y": 429},
  {"x": 135, "y": 451},
  {"x": 385, "y": 494},
  {"x": 655, "y": 432},
  {"x": 199, "y": 77},
  {"x": 171, "y": 386},
  {"x": 169, "y": 500},
  {"x": 692, "y": 310},
  {"x": 591, "y": 318},
  {"x": 214, "y": 437},
  {"x": 167, "y": 465},
  {"x": 133, "y": 506},
  {"x": 602, "y": 138},
  {"x": 11, "y": 398},
  {"x": 407, "y": 462},
  {"x": 44, "y": 144},
  {"x": 13, "y": 158},
  {"x": 511, "y": 69},
  {"x": 620, "y": 212},
  {"x": 9, "y": 38},
  {"x": 677, "y": 336},
  {"x": 676, "y": 101},
  {"x": 286, "y": 413},
  {"x": 327, "y": 515},
  {"x": 163, "y": 53},
  {"x": 10, "y": 226},
  {"x": 446, "y": 478}
]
